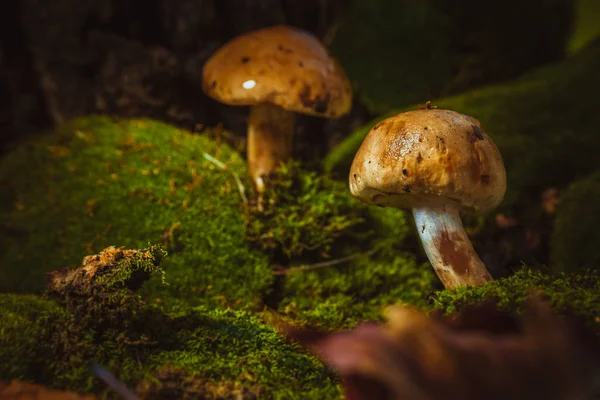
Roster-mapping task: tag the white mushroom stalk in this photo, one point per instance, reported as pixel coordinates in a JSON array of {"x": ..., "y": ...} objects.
[
  {"x": 448, "y": 247},
  {"x": 270, "y": 141}
]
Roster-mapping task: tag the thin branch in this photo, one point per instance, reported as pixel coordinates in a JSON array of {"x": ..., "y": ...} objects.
[
  {"x": 325, "y": 263},
  {"x": 113, "y": 382}
]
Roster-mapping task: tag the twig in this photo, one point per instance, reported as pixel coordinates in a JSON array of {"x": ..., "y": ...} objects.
[
  {"x": 113, "y": 382},
  {"x": 238, "y": 181},
  {"x": 325, "y": 263}
]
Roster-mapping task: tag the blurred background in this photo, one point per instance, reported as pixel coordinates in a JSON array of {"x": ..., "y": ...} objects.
[
  {"x": 61, "y": 59},
  {"x": 65, "y": 58}
]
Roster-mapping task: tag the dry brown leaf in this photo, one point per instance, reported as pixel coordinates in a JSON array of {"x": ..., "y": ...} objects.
[{"x": 479, "y": 354}]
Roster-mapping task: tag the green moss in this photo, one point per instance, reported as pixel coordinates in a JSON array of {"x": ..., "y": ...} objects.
[
  {"x": 103, "y": 319},
  {"x": 99, "y": 295},
  {"x": 177, "y": 383},
  {"x": 42, "y": 343},
  {"x": 225, "y": 350},
  {"x": 24, "y": 317},
  {"x": 372, "y": 267},
  {"x": 148, "y": 181},
  {"x": 340, "y": 261},
  {"x": 97, "y": 182},
  {"x": 228, "y": 345},
  {"x": 97, "y": 321},
  {"x": 574, "y": 294},
  {"x": 574, "y": 244},
  {"x": 545, "y": 124},
  {"x": 304, "y": 212},
  {"x": 344, "y": 295}
]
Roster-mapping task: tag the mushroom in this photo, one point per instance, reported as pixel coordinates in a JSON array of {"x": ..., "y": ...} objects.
[
  {"x": 438, "y": 163},
  {"x": 278, "y": 71}
]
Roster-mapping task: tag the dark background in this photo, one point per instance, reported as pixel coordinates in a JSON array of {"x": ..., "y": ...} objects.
[{"x": 65, "y": 58}]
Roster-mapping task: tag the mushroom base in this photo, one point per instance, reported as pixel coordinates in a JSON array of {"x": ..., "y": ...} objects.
[
  {"x": 270, "y": 141},
  {"x": 448, "y": 247}
]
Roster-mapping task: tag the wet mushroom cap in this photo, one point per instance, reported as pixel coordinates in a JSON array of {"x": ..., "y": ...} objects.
[
  {"x": 429, "y": 158},
  {"x": 281, "y": 65}
]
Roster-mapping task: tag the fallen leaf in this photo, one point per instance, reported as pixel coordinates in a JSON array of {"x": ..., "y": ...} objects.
[{"x": 481, "y": 353}]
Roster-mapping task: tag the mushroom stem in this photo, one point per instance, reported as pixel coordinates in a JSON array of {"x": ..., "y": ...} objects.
[
  {"x": 448, "y": 247},
  {"x": 270, "y": 135}
]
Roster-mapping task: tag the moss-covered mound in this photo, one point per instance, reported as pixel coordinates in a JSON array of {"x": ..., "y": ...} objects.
[
  {"x": 315, "y": 255},
  {"x": 545, "y": 124},
  {"x": 575, "y": 294},
  {"x": 98, "y": 182},
  {"x": 397, "y": 53},
  {"x": 576, "y": 234},
  {"x": 198, "y": 353},
  {"x": 218, "y": 352},
  {"x": 52, "y": 341}
]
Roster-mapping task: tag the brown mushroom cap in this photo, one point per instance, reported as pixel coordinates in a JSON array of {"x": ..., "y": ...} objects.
[
  {"x": 281, "y": 65},
  {"x": 429, "y": 158}
]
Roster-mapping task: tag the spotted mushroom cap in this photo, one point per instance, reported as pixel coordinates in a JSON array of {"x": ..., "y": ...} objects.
[
  {"x": 281, "y": 65},
  {"x": 429, "y": 157}
]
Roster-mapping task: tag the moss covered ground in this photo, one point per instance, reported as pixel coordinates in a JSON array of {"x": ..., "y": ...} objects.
[
  {"x": 53, "y": 340},
  {"x": 575, "y": 294},
  {"x": 222, "y": 272},
  {"x": 326, "y": 244},
  {"x": 99, "y": 182}
]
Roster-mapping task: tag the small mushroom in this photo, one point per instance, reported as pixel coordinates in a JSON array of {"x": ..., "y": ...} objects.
[
  {"x": 438, "y": 163},
  {"x": 278, "y": 71}
]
